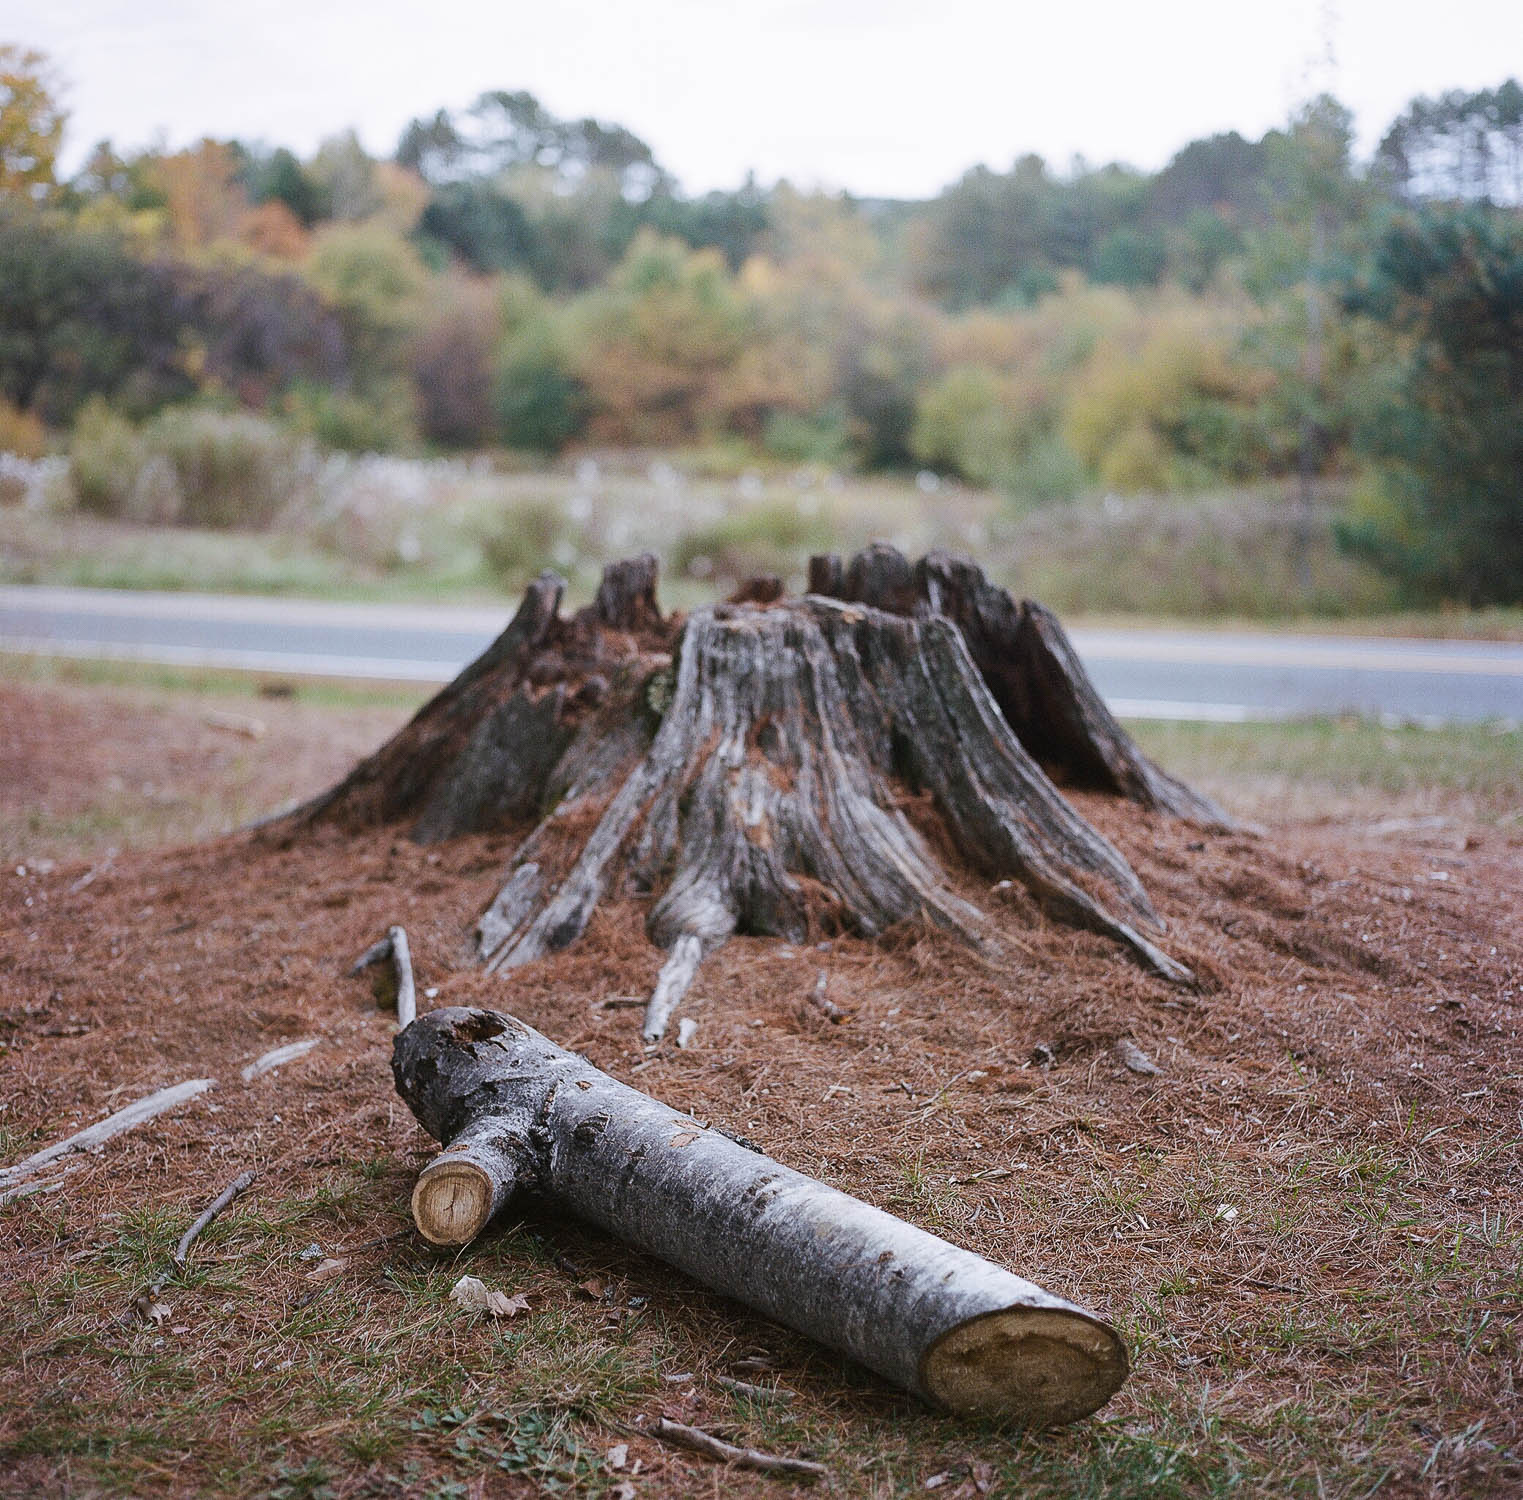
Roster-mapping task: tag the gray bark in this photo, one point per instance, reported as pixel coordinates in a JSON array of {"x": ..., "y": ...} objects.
[
  {"x": 516, "y": 1111},
  {"x": 1034, "y": 674},
  {"x": 745, "y": 768}
]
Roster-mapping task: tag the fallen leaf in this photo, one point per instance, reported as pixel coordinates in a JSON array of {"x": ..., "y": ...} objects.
[
  {"x": 326, "y": 1270},
  {"x": 473, "y": 1295},
  {"x": 684, "y": 1138},
  {"x": 593, "y": 1287},
  {"x": 618, "y": 1455},
  {"x": 151, "y": 1311}
]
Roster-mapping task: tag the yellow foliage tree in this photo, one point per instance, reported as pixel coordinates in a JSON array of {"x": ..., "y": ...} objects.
[
  {"x": 204, "y": 201},
  {"x": 657, "y": 341},
  {"x": 31, "y": 124}
]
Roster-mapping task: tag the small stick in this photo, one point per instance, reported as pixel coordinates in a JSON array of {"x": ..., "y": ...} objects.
[
  {"x": 275, "y": 1058},
  {"x": 753, "y": 1392},
  {"x": 699, "y": 1441},
  {"x": 375, "y": 1244},
  {"x": 94, "y": 1135},
  {"x": 143, "y": 1303},
  {"x": 241, "y": 1183},
  {"x": 823, "y": 1003},
  {"x": 394, "y": 946},
  {"x": 407, "y": 997}
]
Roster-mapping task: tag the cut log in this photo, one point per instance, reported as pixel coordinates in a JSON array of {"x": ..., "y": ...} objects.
[
  {"x": 514, "y": 1111},
  {"x": 747, "y": 770}
]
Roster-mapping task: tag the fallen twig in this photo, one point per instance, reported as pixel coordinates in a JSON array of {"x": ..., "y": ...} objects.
[
  {"x": 94, "y": 1135},
  {"x": 823, "y": 1003},
  {"x": 30, "y": 1189},
  {"x": 268, "y": 1061},
  {"x": 241, "y": 1183},
  {"x": 394, "y": 946},
  {"x": 375, "y": 1244},
  {"x": 146, "y": 1304},
  {"x": 695, "y": 1438},
  {"x": 753, "y": 1392}
]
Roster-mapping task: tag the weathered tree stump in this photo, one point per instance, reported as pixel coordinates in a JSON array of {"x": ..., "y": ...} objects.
[
  {"x": 745, "y": 769},
  {"x": 514, "y": 1112}
]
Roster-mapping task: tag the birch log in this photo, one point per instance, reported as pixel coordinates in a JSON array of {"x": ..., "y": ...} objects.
[{"x": 515, "y": 1111}]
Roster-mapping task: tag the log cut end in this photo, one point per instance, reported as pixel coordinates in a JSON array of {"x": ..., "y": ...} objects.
[
  {"x": 1045, "y": 1366},
  {"x": 454, "y": 1199}
]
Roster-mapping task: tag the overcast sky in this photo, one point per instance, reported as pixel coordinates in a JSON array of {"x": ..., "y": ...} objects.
[{"x": 892, "y": 97}]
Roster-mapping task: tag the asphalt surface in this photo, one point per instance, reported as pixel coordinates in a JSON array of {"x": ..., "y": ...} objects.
[{"x": 1162, "y": 674}]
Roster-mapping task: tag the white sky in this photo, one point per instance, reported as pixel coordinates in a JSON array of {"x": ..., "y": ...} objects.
[{"x": 892, "y": 97}]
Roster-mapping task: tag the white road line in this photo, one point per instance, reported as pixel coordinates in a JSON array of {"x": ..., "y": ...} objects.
[
  {"x": 1446, "y": 657},
  {"x": 1328, "y": 653}
]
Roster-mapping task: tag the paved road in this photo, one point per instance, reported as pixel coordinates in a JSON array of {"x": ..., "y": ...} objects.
[{"x": 1143, "y": 673}]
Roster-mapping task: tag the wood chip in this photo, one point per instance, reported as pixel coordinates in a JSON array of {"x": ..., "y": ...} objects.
[
  {"x": 245, "y": 724},
  {"x": 1133, "y": 1058}
]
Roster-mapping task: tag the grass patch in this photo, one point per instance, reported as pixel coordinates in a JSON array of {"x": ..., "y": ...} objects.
[{"x": 1467, "y": 770}]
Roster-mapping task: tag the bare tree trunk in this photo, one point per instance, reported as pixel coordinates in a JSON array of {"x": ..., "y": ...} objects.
[{"x": 515, "y": 1111}]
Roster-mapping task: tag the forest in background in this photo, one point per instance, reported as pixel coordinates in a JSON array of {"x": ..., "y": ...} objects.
[{"x": 174, "y": 325}]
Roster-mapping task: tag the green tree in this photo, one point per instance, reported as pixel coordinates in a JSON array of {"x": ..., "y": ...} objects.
[
  {"x": 1448, "y": 284},
  {"x": 81, "y": 316}
]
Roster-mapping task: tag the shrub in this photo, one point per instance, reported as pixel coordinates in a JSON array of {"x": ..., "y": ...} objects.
[
  {"x": 521, "y": 540},
  {"x": 381, "y": 421},
  {"x": 539, "y": 403},
  {"x": 770, "y": 537},
  {"x": 233, "y": 469},
  {"x": 105, "y": 454},
  {"x": 820, "y": 438}
]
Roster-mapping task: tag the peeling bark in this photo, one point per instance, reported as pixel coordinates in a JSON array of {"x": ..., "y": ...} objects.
[{"x": 515, "y": 1111}]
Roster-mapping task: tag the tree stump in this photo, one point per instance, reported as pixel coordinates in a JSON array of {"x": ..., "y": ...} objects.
[{"x": 745, "y": 769}]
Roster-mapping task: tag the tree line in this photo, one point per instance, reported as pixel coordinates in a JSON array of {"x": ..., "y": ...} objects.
[{"x": 1255, "y": 309}]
